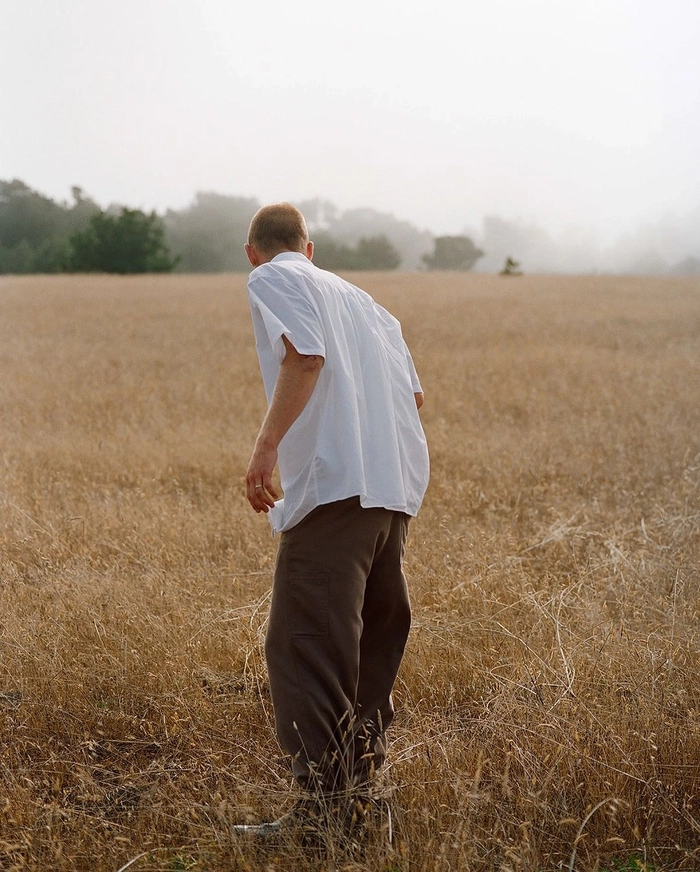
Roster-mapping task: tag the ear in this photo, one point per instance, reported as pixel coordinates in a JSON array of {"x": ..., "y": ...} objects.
[
  {"x": 309, "y": 250},
  {"x": 252, "y": 255}
]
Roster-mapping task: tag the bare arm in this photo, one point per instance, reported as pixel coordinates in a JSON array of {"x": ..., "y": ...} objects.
[
  {"x": 295, "y": 383},
  {"x": 419, "y": 399}
]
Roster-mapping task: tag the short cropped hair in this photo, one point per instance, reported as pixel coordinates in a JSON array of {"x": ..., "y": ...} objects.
[{"x": 279, "y": 227}]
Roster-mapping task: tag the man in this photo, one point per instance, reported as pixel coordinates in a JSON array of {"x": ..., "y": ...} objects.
[{"x": 343, "y": 425}]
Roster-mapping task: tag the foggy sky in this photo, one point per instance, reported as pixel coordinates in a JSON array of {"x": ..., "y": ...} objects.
[{"x": 564, "y": 113}]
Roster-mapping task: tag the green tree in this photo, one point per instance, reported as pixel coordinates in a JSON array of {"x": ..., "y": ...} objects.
[
  {"x": 351, "y": 226},
  {"x": 26, "y": 215},
  {"x": 511, "y": 267},
  {"x": 131, "y": 242},
  {"x": 371, "y": 252},
  {"x": 376, "y": 252},
  {"x": 18, "y": 260},
  {"x": 453, "y": 252},
  {"x": 331, "y": 254},
  {"x": 34, "y": 229}
]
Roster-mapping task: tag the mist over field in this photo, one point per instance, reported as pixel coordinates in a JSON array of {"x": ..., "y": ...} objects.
[
  {"x": 666, "y": 245},
  {"x": 562, "y": 135},
  {"x": 40, "y": 235}
]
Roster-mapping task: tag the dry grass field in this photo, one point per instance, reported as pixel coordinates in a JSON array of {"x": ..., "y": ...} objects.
[{"x": 549, "y": 701}]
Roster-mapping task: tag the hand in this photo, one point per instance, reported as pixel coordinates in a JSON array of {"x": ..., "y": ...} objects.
[{"x": 260, "y": 490}]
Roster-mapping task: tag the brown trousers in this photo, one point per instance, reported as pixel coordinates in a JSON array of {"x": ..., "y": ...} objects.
[{"x": 339, "y": 621}]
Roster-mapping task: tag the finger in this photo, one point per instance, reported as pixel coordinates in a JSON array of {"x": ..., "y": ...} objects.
[
  {"x": 253, "y": 488},
  {"x": 263, "y": 498},
  {"x": 266, "y": 499},
  {"x": 269, "y": 487},
  {"x": 257, "y": 498}
]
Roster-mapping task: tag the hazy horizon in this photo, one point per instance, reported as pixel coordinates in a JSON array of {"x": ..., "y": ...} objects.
[{"x": 583, "y": 120}]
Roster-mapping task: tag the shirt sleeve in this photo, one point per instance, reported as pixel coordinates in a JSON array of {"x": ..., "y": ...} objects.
[{"x": 286, "y": 309}]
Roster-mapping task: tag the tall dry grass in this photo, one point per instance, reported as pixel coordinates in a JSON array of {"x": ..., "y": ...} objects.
[{"x": 549, "y": 702}]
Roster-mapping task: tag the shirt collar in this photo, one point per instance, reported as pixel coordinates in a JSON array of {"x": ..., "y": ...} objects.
[{"x": 289, "y": 255}]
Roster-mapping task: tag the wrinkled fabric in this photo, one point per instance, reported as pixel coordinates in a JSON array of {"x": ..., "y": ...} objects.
[{"x": 360, "y": 433}]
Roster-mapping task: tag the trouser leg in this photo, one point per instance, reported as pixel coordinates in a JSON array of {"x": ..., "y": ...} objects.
[
  {"x": 386, "y": 616},
  {"x": 314, "y": 640}
]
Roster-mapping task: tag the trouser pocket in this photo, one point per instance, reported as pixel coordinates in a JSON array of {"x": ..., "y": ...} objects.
[{"x": 307, "y": 604}]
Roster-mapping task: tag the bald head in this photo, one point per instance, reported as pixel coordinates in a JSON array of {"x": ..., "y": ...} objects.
[{"x": 275, "y": 228}]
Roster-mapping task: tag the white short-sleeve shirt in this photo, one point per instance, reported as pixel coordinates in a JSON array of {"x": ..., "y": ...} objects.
[{"x": 360, "y": 433}]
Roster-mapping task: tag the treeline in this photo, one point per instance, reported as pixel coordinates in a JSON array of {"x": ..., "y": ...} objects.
[
  {"x": 35, "y": 231},
  {"x": 39, "y": 235}
]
